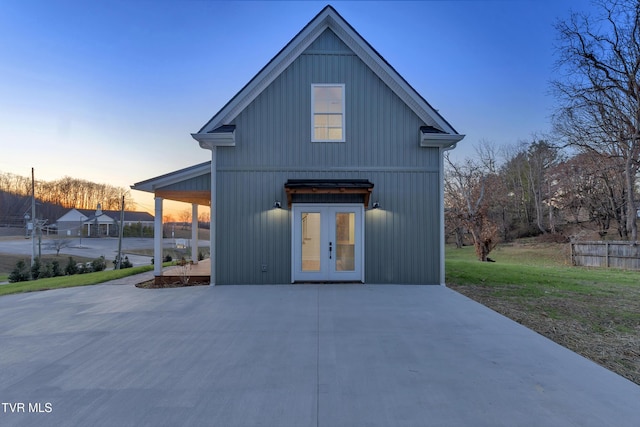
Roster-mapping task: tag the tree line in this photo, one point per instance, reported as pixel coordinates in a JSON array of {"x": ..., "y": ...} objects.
[
  {"x": 67, "y": 192},
  {"x": 587, "y": 170},
  {"x": 55, "y": 197}
]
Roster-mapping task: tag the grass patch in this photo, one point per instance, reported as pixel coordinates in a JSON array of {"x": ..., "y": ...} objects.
[
  {"x": 71, "y": 281},
  {"x": 594, "y": 312}
]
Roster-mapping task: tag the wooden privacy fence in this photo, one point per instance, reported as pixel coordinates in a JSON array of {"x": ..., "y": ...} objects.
[{"x": 614, "y": 254}]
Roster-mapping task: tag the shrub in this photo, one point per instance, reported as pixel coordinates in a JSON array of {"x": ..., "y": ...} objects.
[
  {"x": 35, "y": 268},
  {"x": 55, "y": 269},
  {"x": 71, "y": 268},
  {"x": 82, "y": 268},
  {"x": 20, "y": 273},
  {"x": 45, "y": 271},
  {"x": 124, "y": 264},
  {"x": 168, "y": 258},
  {"x": 200, "y": 256},
  {"x": 99, "y": 264}
]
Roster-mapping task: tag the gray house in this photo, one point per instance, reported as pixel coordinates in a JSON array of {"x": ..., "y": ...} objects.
[{"x": 326, "y": 167}]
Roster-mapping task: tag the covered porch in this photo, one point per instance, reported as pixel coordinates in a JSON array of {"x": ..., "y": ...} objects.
[{"x": 190, "y": 185}]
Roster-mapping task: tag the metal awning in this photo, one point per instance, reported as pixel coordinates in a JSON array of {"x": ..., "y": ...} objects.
[{"x": 360, "y": 188}]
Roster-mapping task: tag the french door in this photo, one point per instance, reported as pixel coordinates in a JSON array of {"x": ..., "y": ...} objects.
[{"x": 328, "y": 243}]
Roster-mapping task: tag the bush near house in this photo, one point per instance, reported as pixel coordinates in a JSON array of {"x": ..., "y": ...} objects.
[
  {"x": 124, "y": 264},
  {"x": 20, "y": 273},
  {"x": 39, "y": 270}
]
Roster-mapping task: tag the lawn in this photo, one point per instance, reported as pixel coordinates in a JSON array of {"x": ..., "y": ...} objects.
[
  {"x": 71, "y": 281},
  {"x": 594, "y": 312}
]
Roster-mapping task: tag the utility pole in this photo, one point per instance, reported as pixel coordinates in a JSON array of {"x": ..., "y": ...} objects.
[
  {"x": 120, "y": 232},
  {"x": 33, "y": 217}
]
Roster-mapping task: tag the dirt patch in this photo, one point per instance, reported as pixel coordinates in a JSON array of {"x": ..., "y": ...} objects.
[
  {"x": 604, "y": 329},
  {"x": 151, "y": 284}
]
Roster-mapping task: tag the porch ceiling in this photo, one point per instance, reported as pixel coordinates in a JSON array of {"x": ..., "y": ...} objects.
[{"x": 199, "y": 197}]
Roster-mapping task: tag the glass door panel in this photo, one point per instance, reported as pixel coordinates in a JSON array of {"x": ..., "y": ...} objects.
[
  {"x": 345, "y": 241},
  {"x": 311, "y": 241}
]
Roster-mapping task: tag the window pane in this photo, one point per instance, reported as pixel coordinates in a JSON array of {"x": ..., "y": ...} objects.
[
  {"x": 334, "y": 120},
  {"x": 335, "y": 134},
  {"x": 328, "y": 99},
  {"x": 345, "y": 241},
  {"x": 310, "y": 241}
]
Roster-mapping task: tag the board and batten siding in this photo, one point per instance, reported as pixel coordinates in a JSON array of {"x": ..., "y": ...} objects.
[{"x": 273, "y": 145}]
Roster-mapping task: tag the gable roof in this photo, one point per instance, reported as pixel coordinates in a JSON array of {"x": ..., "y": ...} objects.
[
  {"x": 152, "y": 184},
  {"x": 216, "y": 128},
  {"x": 90, "y": 215},
  {"x": 166, "y": 186}
]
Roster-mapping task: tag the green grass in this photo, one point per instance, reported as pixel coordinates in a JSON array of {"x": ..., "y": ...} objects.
[
  {"x": 71, "y": 281},
  {"x": 530, "y": 271}
]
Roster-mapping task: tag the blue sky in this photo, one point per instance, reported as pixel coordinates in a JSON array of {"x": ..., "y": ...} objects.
[{"x": 109, "y": 91}]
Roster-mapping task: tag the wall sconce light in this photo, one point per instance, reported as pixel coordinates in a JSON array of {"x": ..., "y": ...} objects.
[
  {"x": 376, "y": 205},
  {"x": 277, "y": 205}
]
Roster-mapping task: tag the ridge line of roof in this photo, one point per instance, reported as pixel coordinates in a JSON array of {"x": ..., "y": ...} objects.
[{"x": 395, "y": 76}]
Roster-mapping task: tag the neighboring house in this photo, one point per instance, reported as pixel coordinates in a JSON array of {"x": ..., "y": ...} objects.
[
  {"x": 99, "y": 223},
  {"x": 326, "y": 167}
]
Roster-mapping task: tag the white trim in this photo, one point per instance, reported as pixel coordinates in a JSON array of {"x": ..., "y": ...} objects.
[
  {"x": 440, "y": 140},
  {"x": 342, "y": 111},
  {"x": 157, "y": 238},
  {"x": 194, "y": 233},
  {"x": 218, "y": 139},
  {"x": 212, "y": 220}
]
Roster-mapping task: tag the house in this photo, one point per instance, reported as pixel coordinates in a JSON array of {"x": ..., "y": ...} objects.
[
  {"x": 326, "y": 167},
  {"x": 100, "y": 223}
]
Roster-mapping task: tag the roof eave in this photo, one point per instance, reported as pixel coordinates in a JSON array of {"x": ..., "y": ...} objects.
[
  {"x": 440, "y": 140},
  {"x": 219, "y": 139},
  {"x": 150, "y": 185}
]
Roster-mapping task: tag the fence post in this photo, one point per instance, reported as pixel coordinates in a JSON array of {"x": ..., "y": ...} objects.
[
  {"x": 606, "y": 247},
  {"x": 573, "y": 261}
]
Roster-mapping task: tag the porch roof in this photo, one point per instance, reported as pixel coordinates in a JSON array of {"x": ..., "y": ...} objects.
[
  {"x": 184, "y": 185},
  {"x": 329, "y": 186}
]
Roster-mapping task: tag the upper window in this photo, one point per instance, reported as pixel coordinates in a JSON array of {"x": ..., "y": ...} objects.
[{"x": 327, "y": 112}]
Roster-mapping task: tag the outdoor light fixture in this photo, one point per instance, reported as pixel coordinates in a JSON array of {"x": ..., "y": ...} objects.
[
  {"x": 376, "y": 205},
  {"x": 277, "y": 205}
]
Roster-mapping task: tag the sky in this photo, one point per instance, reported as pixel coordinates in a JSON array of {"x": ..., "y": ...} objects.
[{"x": 110, "y": 91}]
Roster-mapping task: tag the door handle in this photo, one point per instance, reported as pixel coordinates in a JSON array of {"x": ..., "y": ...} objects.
[{"x": 330, "y": 249}]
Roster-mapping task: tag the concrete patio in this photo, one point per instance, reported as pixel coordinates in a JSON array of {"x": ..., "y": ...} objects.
[{"x": 290, "y": 355}]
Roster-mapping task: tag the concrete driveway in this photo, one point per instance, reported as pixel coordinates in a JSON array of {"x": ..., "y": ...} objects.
[{"x": 290, "y": 355}]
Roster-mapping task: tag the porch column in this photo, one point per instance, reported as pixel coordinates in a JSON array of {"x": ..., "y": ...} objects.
[
  {"x": 157, "y": 238},
  {"x": 194, "y": 233}
]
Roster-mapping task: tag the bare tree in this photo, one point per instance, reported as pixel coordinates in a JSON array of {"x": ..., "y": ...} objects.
[
  {"x": 599, "y": 91},
  {"x": 469, "y": 188},
  {"x": 58, "y": 244},
  {"x": 185, "y": 218}
]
